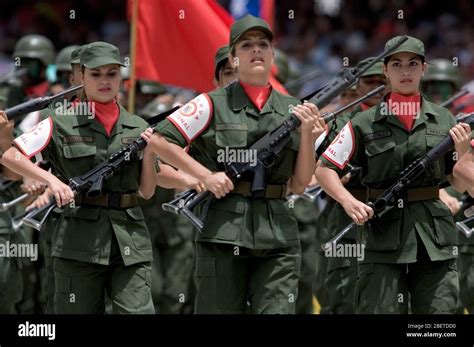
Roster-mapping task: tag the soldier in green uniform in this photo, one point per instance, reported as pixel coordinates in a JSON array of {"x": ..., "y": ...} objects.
[
  {"x": 73, "y": 79},
  {"x": 342, "y": 271},
  {"x": 100, "y": 245},
  {"x": 171, "y": 236},
  {"x": 11, "y": 282},
  {"x": 224, "y": 73},
  {"x": 33, "y": 53},
  {"x": 248, "y": 254},
  {"x": 305, "y": 214},
  {"x": 441, "y": 80},
  {"x": 64, "y": 73},
  {"x": 408, "y": 258},
  {"x": 172, "y": 281}
]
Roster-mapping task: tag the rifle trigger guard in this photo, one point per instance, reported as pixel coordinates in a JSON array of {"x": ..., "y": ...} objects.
[{"x": 269, "y": 162}]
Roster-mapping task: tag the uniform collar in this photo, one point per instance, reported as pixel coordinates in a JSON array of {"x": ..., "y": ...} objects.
[
  {"x": 124, "y": 121},
  {"x": 240, "y": 101},
  {"x": 427, "y": 111}
]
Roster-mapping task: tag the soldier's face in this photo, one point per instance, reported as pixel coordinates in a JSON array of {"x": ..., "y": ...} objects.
[
  {"x": 404, "y": 71},
  {"x": 368, "y": 83},
  {"x": 102, "y": 84},
  {"x": 227, "y": 75},
  {"x": 75, "y": 77},
  {"x": 253, "y": 55}
]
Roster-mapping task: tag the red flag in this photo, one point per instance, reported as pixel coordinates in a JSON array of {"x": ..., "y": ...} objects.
[
  {"x": 176, "y": 42},
  {"x": 267, "y": 12}
]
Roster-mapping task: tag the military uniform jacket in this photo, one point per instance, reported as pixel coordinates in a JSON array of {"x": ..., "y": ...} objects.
[
  {"x": 77, "y": 144},
  {"x": 380, "y": 144},
  {"x": 233, "y": 122}
]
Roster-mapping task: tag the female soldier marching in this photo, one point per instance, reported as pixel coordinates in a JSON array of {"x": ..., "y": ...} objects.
[
  {"x": 409, "y": 250},
  {"x": 100, "y": 245},
  {"x": 248, "y": 253}
]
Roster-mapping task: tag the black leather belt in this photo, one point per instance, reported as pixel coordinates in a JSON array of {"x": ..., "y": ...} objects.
[{"x": 110, "y": 200}]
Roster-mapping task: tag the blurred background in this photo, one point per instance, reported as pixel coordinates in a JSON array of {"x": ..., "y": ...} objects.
[{"x": 316, "y": 38}]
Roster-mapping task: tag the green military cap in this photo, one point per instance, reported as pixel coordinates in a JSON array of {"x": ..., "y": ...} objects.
[
  {"x": 246, "y": 23},
  {"x": 76, "y": 54},
  {"x": 63, "y": 60},
  {"x": 412, "y": 45},
  {"x": 443, "y": 70},
  {"x": 221, "y": 56},
  {"x": 99, "y": 53},
  {"x": 375, "y": 69}
]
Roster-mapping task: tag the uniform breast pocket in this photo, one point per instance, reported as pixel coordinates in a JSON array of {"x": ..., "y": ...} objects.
[
  {"x": 79, "y": 152},
  {"x": 381, "y": 161},
  {"x": 231, "y": 135},
  {"x": 437, "y": 168}
]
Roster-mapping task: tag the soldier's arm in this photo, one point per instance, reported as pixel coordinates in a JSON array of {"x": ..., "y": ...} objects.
[
  {"x": 464, "y": 170},
  {"x": 170, "y": 178},
  {"x": 305, "y": 161},
  {"x": 6, "y": 139},
  {"x": 171, "y": 136},
  {"x": 19, "y": 163},
  {"x": 147, "y": 177},
  {"x": 332, "y": 164},
  {"x": 218, "y": 183},
  {"x": 461, "y": 134}
]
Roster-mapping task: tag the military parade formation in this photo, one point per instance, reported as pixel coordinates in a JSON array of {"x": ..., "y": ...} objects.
[{"x": 241, "y": 200}]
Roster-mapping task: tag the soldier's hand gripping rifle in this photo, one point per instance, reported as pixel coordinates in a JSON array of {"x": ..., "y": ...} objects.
[
  {"x": 268, "y": 147},
  {"x": 386, "y": 201},
  {"x": 92, "y": 181},
  {"x": 37, "y": 104}
]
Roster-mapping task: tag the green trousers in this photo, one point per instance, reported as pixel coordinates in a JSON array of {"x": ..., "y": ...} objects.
[
  {"x": 231, "y": 279},
  {"x": 340, "y": 282},
  {"x": 81, "y": 288},
  {"x": 466, "y": 280},
  {"x": 172, "y": 278},
  {"x": 426, "y": 288},
  {"x": 11, "y": 280}
]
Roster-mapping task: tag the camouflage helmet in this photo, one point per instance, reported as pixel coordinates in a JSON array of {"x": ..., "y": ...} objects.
[
  {"x": 147, "y": 87},
  {"x": 35, "y": 46},
  {"x": 443, "y": 70},
  {"x": 63, "y": 60},
  {"x": 153, "y": 108}
]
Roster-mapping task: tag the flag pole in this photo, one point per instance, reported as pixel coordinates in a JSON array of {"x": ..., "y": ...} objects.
[{"x": 133, "y": 51}]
